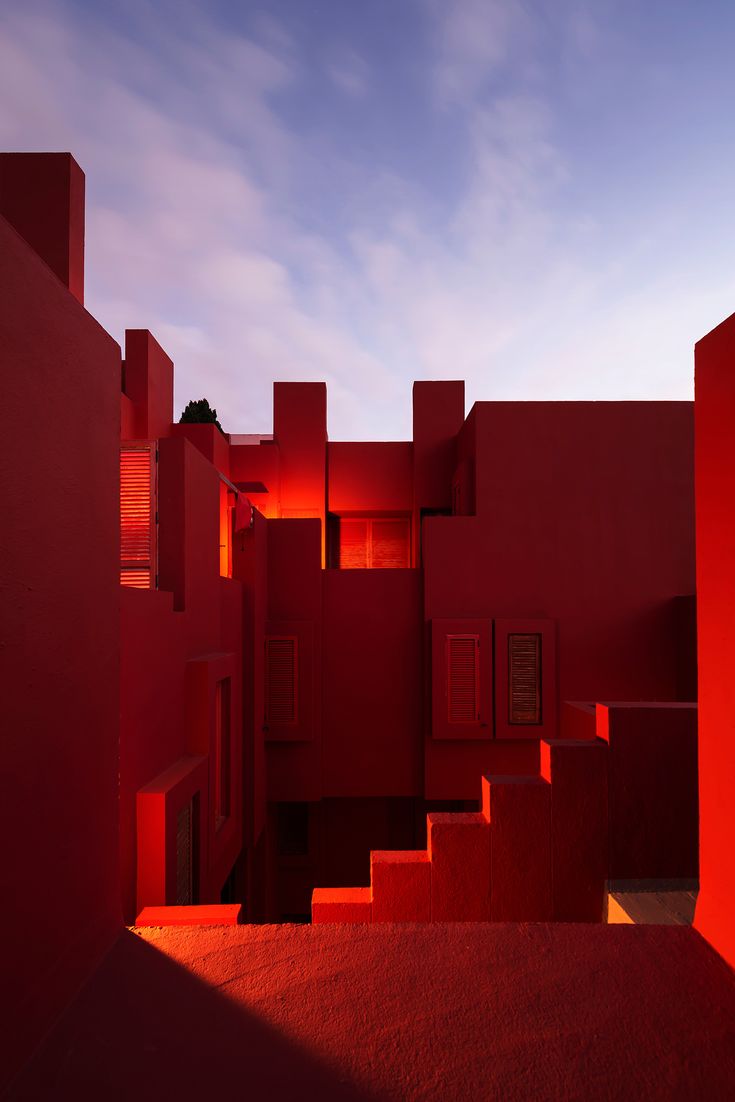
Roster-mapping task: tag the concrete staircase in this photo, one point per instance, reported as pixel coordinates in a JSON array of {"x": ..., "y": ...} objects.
[{"x": 537, "y": 851}]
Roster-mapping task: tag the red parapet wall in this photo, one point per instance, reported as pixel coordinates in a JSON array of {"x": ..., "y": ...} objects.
[{"x": 182, "y": 790}]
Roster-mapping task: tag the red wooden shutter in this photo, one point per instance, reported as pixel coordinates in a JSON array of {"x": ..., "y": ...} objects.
[
  {"x": 281, "y": 701},
  {"x": 463, "y": 678},
  {"x": 391, "y": 543},
  {"x": 138, "y": 515},
  {"x": 353, "y": 544},
  {"x": 524, "y": 678}
]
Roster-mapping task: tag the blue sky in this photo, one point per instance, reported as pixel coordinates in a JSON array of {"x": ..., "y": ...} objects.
[{"x": 534, "y": 195}]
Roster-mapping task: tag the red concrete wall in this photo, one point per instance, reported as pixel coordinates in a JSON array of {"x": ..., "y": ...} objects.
[
  {"x": 372, "y": 655},
  {"x": 370, "y": 478},
  {"x": 152, "y": 727},
  {"x": 176, "y": 644},
  {"x": 60, "y": 666},
  {"x": 438, "y": 415},
  {"x": 42, "y": 197},
  {"x": 585, "y": 517},
  {"x": 188, "y": 488},
  {"x": 148, "y": 374},
  {"x": 294, "y": 759},
  {"x": 258, "y": 463},
  {"x": 208, "y": 440},
  {"x": 300, "y": 433},
  {"x": 250, "y": 569},
  {"x": 715, "y": 479},
  {"x": 454, "y": 770}
]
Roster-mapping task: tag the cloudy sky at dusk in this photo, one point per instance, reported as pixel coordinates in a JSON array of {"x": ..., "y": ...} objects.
[{"x": 534, "y": 195}]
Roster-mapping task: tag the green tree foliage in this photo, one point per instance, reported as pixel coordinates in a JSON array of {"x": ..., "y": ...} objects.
[{"x": 199, "y": 413}]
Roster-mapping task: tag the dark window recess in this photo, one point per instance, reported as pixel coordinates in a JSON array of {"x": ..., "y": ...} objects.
[
  {"x": 184, "y": 856},
  {"x": 228, "y": 893},
  {"x": 223, "y": 737},
  {"x": 281, "y": 704},
  {"x": 524, "y": 679},
  {"x": 299, "y": 918},
  {"x": 292, "y": 830},
  {"x": 332, "y": 541},
  {"x": 463, "y": 678}
]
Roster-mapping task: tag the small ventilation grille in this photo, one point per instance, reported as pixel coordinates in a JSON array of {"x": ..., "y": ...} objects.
[
  {"x": 137, "y": 516},
  {"x": 184, "y": 871},
  {"x": 524, "y": 679},
  {"x": 463, "y": 654},
  {"x": 280, "y": 673}
]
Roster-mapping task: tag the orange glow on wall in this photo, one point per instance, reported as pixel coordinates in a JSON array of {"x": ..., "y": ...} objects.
[
  {"x": 225, "y": 531},
  {"x": 138, "y": 515}
]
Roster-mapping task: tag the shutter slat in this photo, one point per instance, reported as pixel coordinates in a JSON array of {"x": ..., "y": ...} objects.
[{"x": 524, "y": 678}]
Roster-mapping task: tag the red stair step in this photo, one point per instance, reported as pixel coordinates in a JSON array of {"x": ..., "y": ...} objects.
[
  {"x": 520, "y": 848},
  {"x": 351, "y": 905},
  {"x": 577, "y": 771},
  {"x": 401, "y": 883},
  {"x": 459, "y": 850}
]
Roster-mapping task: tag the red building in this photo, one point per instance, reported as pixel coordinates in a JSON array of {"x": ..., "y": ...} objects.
[{"x": 242, "y": 671}]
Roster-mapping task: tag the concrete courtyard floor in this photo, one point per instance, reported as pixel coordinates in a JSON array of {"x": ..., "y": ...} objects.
[{"x": 441, "y": 1012}]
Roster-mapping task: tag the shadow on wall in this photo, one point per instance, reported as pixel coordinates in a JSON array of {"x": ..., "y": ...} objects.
[{"x": 145, "y": 1028}]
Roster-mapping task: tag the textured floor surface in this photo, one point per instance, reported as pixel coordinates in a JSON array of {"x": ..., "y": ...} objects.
[{"x": 450, "y": 1012}]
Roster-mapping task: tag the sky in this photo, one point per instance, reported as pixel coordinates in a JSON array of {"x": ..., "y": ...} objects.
[{"x": 536, "y": 196}]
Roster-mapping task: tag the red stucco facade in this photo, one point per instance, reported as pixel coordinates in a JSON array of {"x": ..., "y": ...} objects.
[{"x": 446, "y": 679}]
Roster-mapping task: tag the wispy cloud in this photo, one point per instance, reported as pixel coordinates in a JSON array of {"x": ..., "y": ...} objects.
[
  {"x": 350, "y": 73},
  {"x": 518, "y": 269},
  {"x": 475, "y": 39}
]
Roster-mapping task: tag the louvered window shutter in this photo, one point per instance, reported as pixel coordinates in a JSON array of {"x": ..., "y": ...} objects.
[
  {"x": 138, "y": 515},
  {"x": 353, "y": 544},
  {"x": 281, "y": 687},
  {"x": 463, "y": 678},
  {"x": 390, "y": 544},
  {"x": 524, "y": 678}
]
